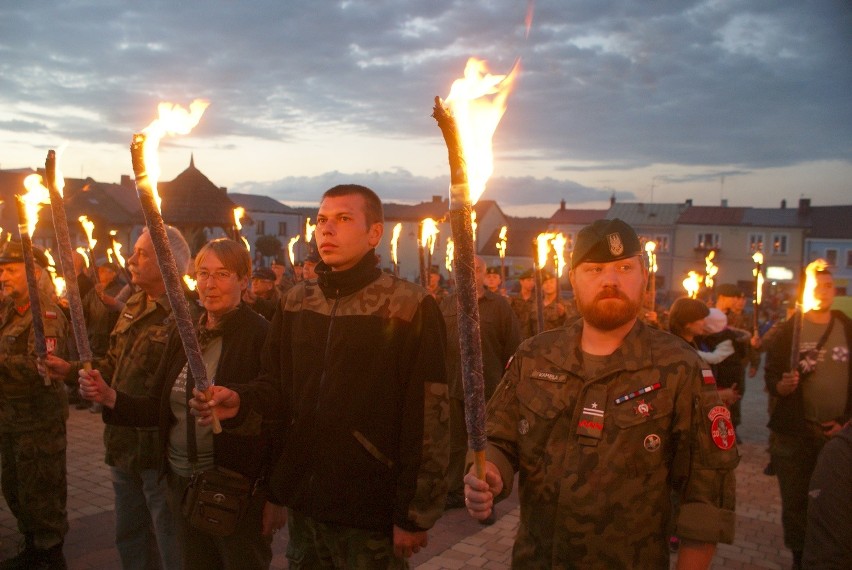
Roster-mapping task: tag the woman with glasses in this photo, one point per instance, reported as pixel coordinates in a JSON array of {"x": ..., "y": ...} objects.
[{"x": 231, "y": 337}]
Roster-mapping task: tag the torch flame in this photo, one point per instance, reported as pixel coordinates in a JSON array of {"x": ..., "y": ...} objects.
[
  {"x": 478, "y": 102},
  {"x": 59, "y": 285},
  {"x": 650, "y": 249},
  {"x": 428, "y": 233},
  {"x": 290, "y": 245},
  {"x": 758, "y": 261},
  {"x": 473, "y": 224},
  {"x": 58, "y": 282},
  {"x": 809, "y": 300},
  {"x": 309, "y": 230},
  {"x": 89, "y": 228},
  {"x": 173, "y": 120},
  {"x": 239, "y": 212},
  {"x": 692, "y": 284},
  {"x": 451, "y": 248},
  {"x": 35, "y": 196},
  {"x": 190, "y": 282},
  {"x": 710, "y": 269},
  {"x": 543, "y": 248},
  {"x": 116, "y": 248},
  {"x": 559, "y": 242},
  {"x": 397, "y": 229},
  {"x": 501, "y": 245},
  {"x": 82, "y": 251}
]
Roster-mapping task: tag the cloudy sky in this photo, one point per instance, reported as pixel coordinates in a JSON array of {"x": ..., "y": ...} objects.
[{"x": 749, "y": 101}]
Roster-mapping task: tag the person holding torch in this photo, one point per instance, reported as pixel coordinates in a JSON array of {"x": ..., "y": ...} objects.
[
  {"x": 814, "y": 401},
  {"x": 358, "y": 358},
  {"x": 603, "y": 420},
  {"x": 32, "y": 417},
  {"x": 135, "y": 455}
]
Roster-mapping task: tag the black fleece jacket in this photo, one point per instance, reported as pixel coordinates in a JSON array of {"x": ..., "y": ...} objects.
[
  {"x": 360, "y": 357},
  {"x": 244, "y": 444}
]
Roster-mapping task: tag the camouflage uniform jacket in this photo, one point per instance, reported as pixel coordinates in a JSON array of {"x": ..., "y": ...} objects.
[
  {"x": 360, "y": 357},
  {"x": 135, "y": 346},
  {"x": 599, "y": 456},
  {"x": 525, "y": 311},
  {"x": 26, "y": 404}
]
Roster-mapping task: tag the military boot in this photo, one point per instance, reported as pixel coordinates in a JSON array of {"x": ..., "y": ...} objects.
[
  {"x": 49, "y": 559},
  {"x": 25, "y": 558}
]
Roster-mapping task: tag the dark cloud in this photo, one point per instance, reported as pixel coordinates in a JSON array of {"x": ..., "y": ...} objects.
[
  {"x": 616, "y": 83},
  {"x": 402, "y": 186}
]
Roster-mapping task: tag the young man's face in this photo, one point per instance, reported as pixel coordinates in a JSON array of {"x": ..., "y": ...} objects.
[
  {"x": 492, "y": 281},
  {"x": 527, "y": 284},
  {"x": 824, "y": 291},
  {"x": 343, "y": 235},
  {"x": 609, "y": 295}
]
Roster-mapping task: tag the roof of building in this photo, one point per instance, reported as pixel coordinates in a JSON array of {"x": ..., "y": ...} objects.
[
  {"x": 639, "y": 214},
  {"x": 520, "y": 236},
  {"x": 576, "y": 216},
  {"x": 831, "y": 222},
  {"x": 712, "y": 216},
  {"x": 258, "y": 203},
  {"x": 191, "y": 198},
  {"x": 115, "y": 204},
  {"x": 775, "y": 217}
]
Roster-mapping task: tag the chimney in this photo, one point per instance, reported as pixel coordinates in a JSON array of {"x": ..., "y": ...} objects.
[
  {"x": 804, "y": 206},
  {"x": 612, "y": 200},
  {"x": 689, "y": 201},
  {"x": 126, "y": 182},
  {"x": 783, "y": 204},
  {"x": 562, "y": 204},
  {"x": 724, "y": 202},
  {"x": 437, "y": 199}
]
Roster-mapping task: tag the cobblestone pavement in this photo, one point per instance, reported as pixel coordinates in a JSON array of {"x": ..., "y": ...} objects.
[{"x": 456, "y": 542}]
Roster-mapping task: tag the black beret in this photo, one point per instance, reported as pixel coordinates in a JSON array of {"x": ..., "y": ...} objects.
[
  {"x": 13, "y": 252},
  {"x": 685, "y": 310},
  {"x": 604, "y": 241},
  {"x": 493, "y": 271},
  {"x": 528, "y": 274},
  {"x": 729, "y": 290}
]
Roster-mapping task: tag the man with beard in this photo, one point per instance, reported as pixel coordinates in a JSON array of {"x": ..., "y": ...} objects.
[{"x": 603, "y": 420}]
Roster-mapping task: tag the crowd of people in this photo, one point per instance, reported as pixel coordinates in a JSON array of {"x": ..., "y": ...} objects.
[{"x": 338, "y": 410}]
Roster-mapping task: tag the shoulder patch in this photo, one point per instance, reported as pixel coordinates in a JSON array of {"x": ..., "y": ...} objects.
[{"x": 707, "y": 376}]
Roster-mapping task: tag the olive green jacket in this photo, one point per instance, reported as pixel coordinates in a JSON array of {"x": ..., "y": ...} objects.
[{"x": 598, "y": 457}]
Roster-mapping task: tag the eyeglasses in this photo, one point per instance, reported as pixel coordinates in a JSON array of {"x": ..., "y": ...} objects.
[{"x": 218, "y": 275}]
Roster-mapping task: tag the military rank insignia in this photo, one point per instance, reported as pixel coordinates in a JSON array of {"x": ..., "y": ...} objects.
[
  {"x": 721, "y": 428},
  {"x": 591, "y": 421},
  {"x": 50, "y": 344}
]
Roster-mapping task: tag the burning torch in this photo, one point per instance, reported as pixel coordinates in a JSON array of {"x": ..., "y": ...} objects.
[
  {"x": 758, "y": 290},
  {"x": 807, "y": 302},
  {"x": 477, "y": 103},
  {"x": 501, "y": 250},
  {"x": 143, "y": 150},
  {"x": 28, "y": 206},
  {"x": 55, "y": 186},
  {"x": 650, "y": 247},
  {"x": 394, "y": 245}
]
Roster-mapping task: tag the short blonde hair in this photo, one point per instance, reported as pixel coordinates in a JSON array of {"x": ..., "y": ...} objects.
[{"x": 233, "y": 255}]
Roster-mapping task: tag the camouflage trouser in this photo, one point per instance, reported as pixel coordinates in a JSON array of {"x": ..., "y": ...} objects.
[
  {"x": 318, "y": 545},
  {"x": 34, "y": 485}
]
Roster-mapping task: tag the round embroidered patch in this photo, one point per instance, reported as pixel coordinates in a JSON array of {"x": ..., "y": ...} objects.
[
  {"x": 523, "y": 427},
  {"x": 652, "y": 442},
  {"x": 723, "y": 434}
]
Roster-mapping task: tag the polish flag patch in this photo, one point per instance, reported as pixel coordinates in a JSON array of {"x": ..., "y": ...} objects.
[{"x": 707, "y": 374}]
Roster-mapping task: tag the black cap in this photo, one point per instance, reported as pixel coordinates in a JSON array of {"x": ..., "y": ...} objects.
[
  {"x": 13, "y": 252},
  {"x": 493, "y": 271},
  {"x": 528, "y": 274},
  {"x": 729, "y": 290},
  {"x": 685, "y": 310},
  {"x": 264, "y": 273},
  {"x": 604, "y": 241}
]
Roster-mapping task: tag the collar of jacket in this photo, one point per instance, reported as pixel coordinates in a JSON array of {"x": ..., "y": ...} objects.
[{"x": 336, "y": 284}]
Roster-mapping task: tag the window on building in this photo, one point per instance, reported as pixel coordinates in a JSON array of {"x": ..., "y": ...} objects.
[
  {"x": 831, "y": 257},
  {"x": 849, "y": 258},
  {"x": 755, "y": 242},
  {"x": 260, "y": 227},
  {"x": 707, "y": 241},
  {"x": 780, "y": 244},
  {"x": 662, "y": 244},
  {"x": 282, "y": 228}
]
